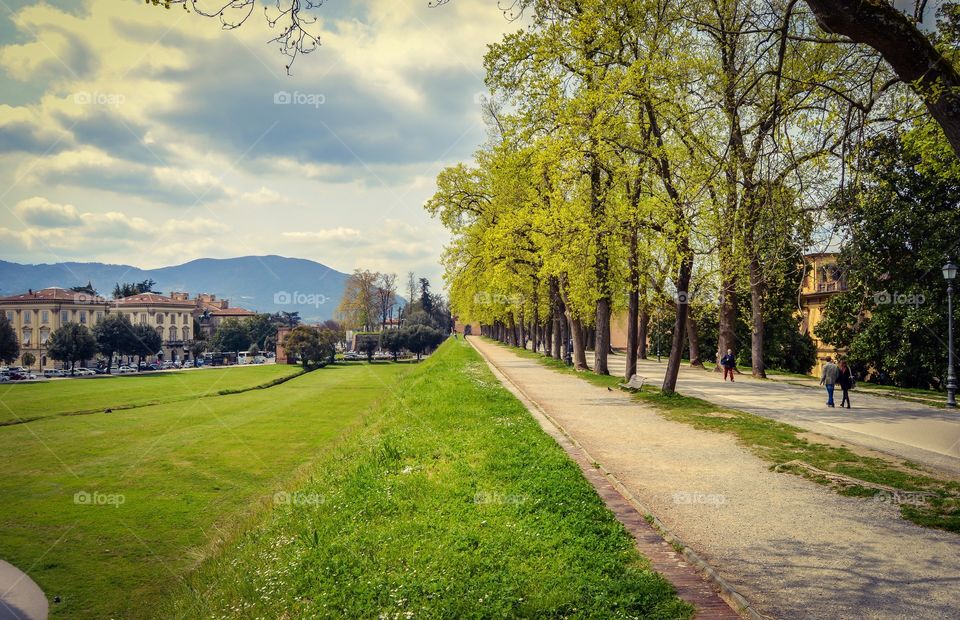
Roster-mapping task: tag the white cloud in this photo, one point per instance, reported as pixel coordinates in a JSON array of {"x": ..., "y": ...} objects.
[
  {"x": 39, "y": 211},
  {"x": 331, "y": 234}
]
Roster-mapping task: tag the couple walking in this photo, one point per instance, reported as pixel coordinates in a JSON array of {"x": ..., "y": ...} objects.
[{"x": 833, "y": 376}]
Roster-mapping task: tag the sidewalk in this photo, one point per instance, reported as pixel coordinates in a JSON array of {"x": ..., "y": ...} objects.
[
  {"x": 794, "y": 549},
  {"x": 925, "y": 435}
]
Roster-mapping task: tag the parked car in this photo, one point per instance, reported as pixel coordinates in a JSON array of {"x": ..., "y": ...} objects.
[
  {"x": 125, "y": 369},
  {"x": 16, "y": 375},
  {"x": 83, "y": 372},
  {"x": 4, "y": 377}
]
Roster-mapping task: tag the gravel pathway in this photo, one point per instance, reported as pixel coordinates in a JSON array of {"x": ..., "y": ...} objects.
[{"x": 793, "y": 548}]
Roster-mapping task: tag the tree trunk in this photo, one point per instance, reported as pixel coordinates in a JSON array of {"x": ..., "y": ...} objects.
[
  {"x": 693, "y": 340},
  {"x": 601, "y": 345},
  {"x": 756, "y": 320},
  {"x": 728, "y": 319},
  {"x": 633, "y": 308},
  {"x": 680, "y": 324},
  {"x": 579, "y": 350},
  {"x": 643, "y": 335},
  {"x": 911, "y": 54}
]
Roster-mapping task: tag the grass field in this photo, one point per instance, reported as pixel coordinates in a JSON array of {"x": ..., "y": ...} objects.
[
  {"x": 28, "y": 401},
  {"x": 451, "y": 503},
  {"x": 780, "y": 444},
  {"x": 110, "y": 511}
]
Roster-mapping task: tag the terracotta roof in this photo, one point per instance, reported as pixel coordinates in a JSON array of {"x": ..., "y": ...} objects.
[
  {"x": 232, "y": 312},
  {"x": 149, "y": 299},
  {"x": 55, "y": 293}
]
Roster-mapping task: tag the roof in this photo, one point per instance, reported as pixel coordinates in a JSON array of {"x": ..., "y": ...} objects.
[
  {"x": 231, "y": 312},
  {"x": 151, "y": 299},
  {"x": 55, "y": 293}
]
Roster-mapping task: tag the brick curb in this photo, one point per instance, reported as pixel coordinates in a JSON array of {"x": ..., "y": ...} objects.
[{"x": 653, "y": 538}]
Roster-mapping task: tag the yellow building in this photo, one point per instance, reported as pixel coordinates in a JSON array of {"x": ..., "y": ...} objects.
[
  {"x": 822, "y": 279},
  {"x": 172, "y": 318},
  {"x": 34, "y": 315}
]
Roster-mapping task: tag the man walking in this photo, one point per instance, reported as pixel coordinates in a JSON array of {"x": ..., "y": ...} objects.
[
  {"x": 729, "y": 363},
  {"x": 828, "y": 378}
]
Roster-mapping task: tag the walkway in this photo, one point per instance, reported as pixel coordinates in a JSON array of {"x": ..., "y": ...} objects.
[
  {"x": 923, "y": 434},
  {"x": 793, "y": 548}
]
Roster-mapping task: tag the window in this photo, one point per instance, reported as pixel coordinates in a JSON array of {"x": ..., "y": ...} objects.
[
  {"x": 83, "y": 317},
  {"x": 45, "y": 316},
  {"x": 10, "y": 315},
  {"x": 99, "y": 316},
  {"x": 186, "y": 333},
  {"x": 64, "y": 317},
  {"x": 27, "y": 316},
  {"x": 173, "y": 333},
  {"x": 44, "y": 335},
  {"x": 143, "y": 318},
  {"x": 27, "y": 333},
  {"x": 160, "y": 319},
  {"x": 160, "y": 332}
]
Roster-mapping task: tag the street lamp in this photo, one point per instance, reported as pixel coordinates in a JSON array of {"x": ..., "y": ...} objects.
[{"x": 949, "y": 273}]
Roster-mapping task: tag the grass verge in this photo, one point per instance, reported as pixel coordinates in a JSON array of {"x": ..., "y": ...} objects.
[
  {"x": 923, "y": 498},
  {"x": 27, "y": 402},
  {"x": 452, "y": 503}
]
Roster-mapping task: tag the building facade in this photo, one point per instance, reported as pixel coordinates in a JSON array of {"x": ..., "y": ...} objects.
[
  {"x": 210, "y": 312},
  {"x": 172, "y": 319},
  {"x": 822, "y": 279},
  {"x": 34, "y": 315}
]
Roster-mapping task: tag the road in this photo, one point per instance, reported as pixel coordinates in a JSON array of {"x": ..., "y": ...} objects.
[{"x": 922, "y": 434}]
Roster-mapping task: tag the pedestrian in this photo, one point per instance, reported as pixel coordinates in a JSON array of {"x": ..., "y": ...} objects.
[
  {"x": 729, "y": 364},
  {"x": 845, "y": 381},
  {"x": 828, "y": 379}
]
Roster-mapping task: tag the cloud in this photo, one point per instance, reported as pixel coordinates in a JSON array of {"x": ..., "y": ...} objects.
[
  {"x": 331, "y": 234},
  {"x": 39, "y": 211}
]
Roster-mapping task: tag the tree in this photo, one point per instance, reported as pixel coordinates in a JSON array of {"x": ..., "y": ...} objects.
[
  {"x": 911, "y": 53},
  {"x": 421, "y": 338},
  {"x": 262, "y": 330},
  {"x": 71, "y": 343},
  {"x": 386, "y": 295},
  {"x": 368, "y": 344},
  {"x": 9, "y": 344},
  {"x": 311, "y": 345},
  {"x": 197, "y": 348},
  {"x": 28, "y": 359},
  {"x": 133, "y": 288},
  {"x": 232, "y": 335},
  {"x": 394, "y": 340},
  {"x": 114, "y": 334},
  {"x": 87, "y": 289},
  {"x": 358, "y": 306},
  {"x": 254, "y": 350},
  {"x": 145, "y": 341}
]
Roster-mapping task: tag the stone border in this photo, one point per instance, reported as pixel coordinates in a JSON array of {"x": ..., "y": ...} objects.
[{"x": 653, "y": 539}]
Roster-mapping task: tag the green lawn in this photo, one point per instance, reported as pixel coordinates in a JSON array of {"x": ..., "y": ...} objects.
[
  {"x": 160, "y": 486},
  {"x": 451, "y": 503},
  {"x": 27, "y": 401}
]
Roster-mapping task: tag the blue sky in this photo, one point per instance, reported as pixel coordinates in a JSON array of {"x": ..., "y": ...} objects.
[{"x": 131, "y": 134}]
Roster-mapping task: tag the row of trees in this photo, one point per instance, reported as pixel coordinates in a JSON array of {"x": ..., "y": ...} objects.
[
  {"x": 370, "y": 301},
  {"x": 661, "y": 158}
]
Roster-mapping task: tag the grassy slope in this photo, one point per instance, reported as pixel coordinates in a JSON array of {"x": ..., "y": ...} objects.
[
  {"x": 189, "y": 473},
  {"x": 34, "y": 400},
  {"x": 779, "y": 443},
  {"x": 451, "y": 504}
]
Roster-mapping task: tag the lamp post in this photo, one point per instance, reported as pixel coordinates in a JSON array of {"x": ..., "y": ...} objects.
[{"x": 949, "y": 273}]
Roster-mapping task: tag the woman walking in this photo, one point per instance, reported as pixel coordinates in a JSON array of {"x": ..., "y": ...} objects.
[{"x": 845, "y": 381}]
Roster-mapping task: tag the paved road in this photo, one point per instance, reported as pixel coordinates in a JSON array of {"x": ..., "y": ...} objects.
[
  {"x": 926, "y": 435},
  {"x": 793, "y": 548}
]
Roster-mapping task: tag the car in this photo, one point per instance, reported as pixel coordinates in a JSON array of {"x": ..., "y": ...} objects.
[
  {"x": 125, "y": 369},
  {"x": 4, "y": 378},
  {"x": 16, "y": 375},
  {"x": 84, "y": 372}
]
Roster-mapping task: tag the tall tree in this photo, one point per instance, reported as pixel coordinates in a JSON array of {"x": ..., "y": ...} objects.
[
  {"x": 9, "y": 343},
  {"x": 71, "y": 343}
]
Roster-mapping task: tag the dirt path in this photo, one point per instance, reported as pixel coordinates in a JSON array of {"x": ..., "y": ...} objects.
[{"x": 794, "y": 549}]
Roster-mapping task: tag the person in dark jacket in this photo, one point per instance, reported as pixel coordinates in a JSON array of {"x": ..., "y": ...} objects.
[
  {"x": 845, "y": 381},
  {"x": 729, "y": 364},
  {"x": 828, "y": 379}
]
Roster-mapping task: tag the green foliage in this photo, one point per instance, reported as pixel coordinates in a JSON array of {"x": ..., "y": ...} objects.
[
  {"x": 9, "y": 343},
  {"x": 314, "y": 346},
  {"x": 28, "y": 359},
  {"x": 72, "y": 343},
  {"x": 114, "y": 334},
  {"x": 133, "y": 288},
  {"x": 232, "y": 335},
  {"x": 368, "y": 343},
  {"x": 904, "y": 224},
  {"x": 394, "y": 341}
]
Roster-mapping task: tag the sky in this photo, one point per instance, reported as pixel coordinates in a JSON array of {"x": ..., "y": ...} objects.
[{"x": 137, "y": 135}]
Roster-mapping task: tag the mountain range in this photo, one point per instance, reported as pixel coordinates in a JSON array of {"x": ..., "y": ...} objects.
[{"x": 262, "y": 283}]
